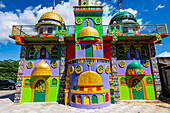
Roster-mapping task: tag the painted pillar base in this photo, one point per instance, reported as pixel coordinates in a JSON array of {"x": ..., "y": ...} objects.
[
  {"x": 112, "y": 100},
  {"x": 90, "y": 106}
]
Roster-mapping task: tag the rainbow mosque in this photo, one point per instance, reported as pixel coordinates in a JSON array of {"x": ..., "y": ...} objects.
[{"x": 88, "y": 65}]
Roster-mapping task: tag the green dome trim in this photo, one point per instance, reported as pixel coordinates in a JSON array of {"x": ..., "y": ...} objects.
[
  {"x": 134, "y": 65},
  {"x": 129, "y": 22},
  {"x": 122, "y": 15}
]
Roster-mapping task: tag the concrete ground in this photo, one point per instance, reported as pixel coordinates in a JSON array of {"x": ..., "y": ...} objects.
[{"x": 7, "y": 106}]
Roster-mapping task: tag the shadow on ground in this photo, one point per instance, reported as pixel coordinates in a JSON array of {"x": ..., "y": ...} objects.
[{"x": 10, "y": 96}]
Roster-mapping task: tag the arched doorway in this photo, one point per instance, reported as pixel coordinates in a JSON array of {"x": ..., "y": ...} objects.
[
  {"x": 138, "y": 90},
  {"x": 40, "y": 90},
  {"x": 86, "y": 100},
  {"x": 88, "y": 51}
]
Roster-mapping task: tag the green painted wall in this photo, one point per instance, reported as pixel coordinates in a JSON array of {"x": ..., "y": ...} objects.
[
  {"x": 124, "y": 90},
  {"x": 99, "y": 28},
  {"x": 53, "y": 91}
]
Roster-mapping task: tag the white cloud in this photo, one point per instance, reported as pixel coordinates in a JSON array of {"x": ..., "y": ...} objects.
[
  {"x": 135, "y": 13},
  {"x": 18, "y": 10},
  {"x": 31, "y": 15},
  {"x": 145, "y": 10},
  {"x": 2, "y": 5},
  {"x": 114, "y": 1},
  {"x": 165, "y": 54},
  {"x": 159, "y": 7}
]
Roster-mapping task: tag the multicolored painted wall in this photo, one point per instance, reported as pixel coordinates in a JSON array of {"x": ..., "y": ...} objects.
[{"x": 88, "y": 65}]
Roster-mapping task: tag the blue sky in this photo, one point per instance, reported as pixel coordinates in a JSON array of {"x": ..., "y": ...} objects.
[{"x": 27, "y": 12}]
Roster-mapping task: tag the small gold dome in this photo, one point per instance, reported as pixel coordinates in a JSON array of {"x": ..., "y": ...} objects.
[
  {"x": 51, "y": 15},
  {"x": 89, "y": 78},
  {"x": 88, "y": 31},
  {"x": 41, "y": 69}
]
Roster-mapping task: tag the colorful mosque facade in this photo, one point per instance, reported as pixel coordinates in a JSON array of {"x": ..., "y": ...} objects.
[{"x": 88, "y": 65}]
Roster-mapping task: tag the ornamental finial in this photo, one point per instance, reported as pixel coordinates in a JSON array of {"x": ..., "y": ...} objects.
[
  {"x": 88, "y": 22},
  {"x": 53, "y": 5},
  {"x": 89, "y": 64},
  {"x": 119, "y": 3}
]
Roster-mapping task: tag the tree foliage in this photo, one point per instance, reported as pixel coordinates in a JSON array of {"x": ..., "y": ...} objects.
[{"x": 9, "y": 69}]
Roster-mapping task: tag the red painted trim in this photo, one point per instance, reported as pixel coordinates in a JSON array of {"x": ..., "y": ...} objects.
[
  {"x": 130, "y": 89},
  {"x": 152, "y": 39},
  {"x": 107, "y": 53},
  {"x": 70, "y": 54}
]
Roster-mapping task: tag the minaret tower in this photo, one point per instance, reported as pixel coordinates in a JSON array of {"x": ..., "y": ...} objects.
[{"x": 89, "y": 71}]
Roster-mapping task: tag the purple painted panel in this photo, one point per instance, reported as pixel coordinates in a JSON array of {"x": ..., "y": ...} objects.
[
  {"x": 55, "y": 71},
  {"x": 80, "y": 53},
  {"x": 137, "y": 55},
  {"x": 47, "y": 55},
  {"x": 98, "y": 53},
  {"x": 74, "y": 77},
  {"x": 121, "y": 71},
  {"x": 91, "y": 23}
]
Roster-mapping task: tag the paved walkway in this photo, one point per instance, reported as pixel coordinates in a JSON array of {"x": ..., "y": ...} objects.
[{"x": 7, "y": 106}]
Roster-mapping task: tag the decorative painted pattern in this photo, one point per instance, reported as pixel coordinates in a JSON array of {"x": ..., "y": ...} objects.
[
  {"x": 146, "y": 63},
  {"x": 155, "y": 72},
  {"x": 30, "y": 64},
  {"x": 135, "y": 72},
  {"x": 100, "y": 69},
  {"x": 71, "y": 70},
  {"x": 81, "y": 60},
  {"x": 115, "y": 86},
  {"x": 122, "y": 64},
  {"x": 17, "y": 98},
  {"x": 78, "y": 69},
  {"x": 54, "y": 64}
]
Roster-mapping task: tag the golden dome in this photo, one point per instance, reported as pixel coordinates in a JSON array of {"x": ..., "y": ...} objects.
[
  {"x": 51, "y": 15},
  {"x": 88, "y": 31},
  {"x": 89, "y": 78},
  {"x": 41, "y": 69}
]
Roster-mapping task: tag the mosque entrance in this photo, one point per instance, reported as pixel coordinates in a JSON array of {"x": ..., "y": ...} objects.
[
  {"x": 137, "y": 89},
  {"x": 88, "y": 51},
  {"x": 40, "y": 91}
]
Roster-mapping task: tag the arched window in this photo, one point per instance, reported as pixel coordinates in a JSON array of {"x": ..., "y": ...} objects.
[
  {"x": 101, "y": 99},
  {"x": 88, "y": 51},
  {"x": 41, "y": 30},
  {"x": 72, "y": 98},
  {"x": 121, "y": 52},
  {"x": 77, "y": 47},
  {"x": 54, "y": 52},
  {"x": 43, "y": 52},
  {"x": 86, "y": 100},
  {"x": 125, "y": 29},
  {"x": 79, "y": 99},
  {"x": 50, "y": 30},
  {"x": 132, "y": 52},
  {"x": 54, "y": 82},
  {"x": 94, "y": 99},
  {"x": 31, "y": 53},
  {"x": 100, "y": 47},
  {"x": 95, "y": 47},
  {"x": 82, "y": 47},
  {"x": 106, "y": 98},
  {"x": 144, "y": 52}
]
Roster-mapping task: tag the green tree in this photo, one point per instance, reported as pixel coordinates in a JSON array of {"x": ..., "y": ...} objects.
[{"x": 9, "y": 69}]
